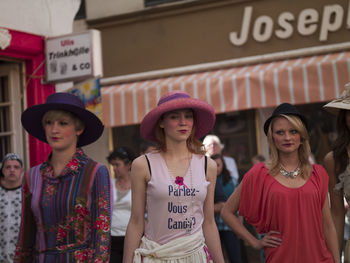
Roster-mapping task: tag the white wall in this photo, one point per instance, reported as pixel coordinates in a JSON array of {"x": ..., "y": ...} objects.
[
  {"x": 50, "y": 18},
  {"x": 41, "y": 17}
]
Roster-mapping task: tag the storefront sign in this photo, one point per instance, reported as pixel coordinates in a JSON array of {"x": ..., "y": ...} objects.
[
  {"x": 72, "y": 57},
  {"x": 308, "y": 22}
]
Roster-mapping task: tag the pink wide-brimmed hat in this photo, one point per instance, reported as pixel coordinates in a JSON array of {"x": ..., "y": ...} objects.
[{"x": 175, "y": 100}]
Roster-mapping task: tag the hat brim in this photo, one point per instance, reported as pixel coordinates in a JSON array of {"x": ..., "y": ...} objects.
[
  {"x": 32, "y": 122},
  {"x": 203, "y": 112},
  {"x": 268, "y": 121},
  {"x": 335, "y": 107}
]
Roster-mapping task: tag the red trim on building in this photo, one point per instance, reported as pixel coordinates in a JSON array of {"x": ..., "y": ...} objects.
[{"x": 31, "y": 49}]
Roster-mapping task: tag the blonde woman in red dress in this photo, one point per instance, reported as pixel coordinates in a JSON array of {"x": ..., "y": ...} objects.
[{"x": 286, "y": 198}]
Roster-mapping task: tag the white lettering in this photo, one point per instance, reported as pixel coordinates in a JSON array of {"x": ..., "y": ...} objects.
[
  {"x": 247, "y": 15},
  {"x": 263, "y": 27},
  {"x": 284, "y": 20},
  {"x": 331, "y": 12},
  {"x": 307, "y": 22}
]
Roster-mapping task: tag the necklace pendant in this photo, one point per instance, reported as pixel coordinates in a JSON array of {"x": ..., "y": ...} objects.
[{"x": 292, "y": 174}]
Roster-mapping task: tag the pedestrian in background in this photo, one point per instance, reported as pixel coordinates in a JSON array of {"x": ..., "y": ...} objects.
[
  {"x": 227, "y": 236},
  {"x": 66, "y": 207},
  {"x": 11, "y": 172},
  {"x": 121, "y": 159},
  {"x": 176, "y": 185},
  {"x": 213, "y": 146},
  {"x": 337, "y": 164},
  {"x": 287, "y": 199}
]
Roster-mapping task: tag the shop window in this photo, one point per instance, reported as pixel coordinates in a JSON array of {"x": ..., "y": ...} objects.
[
  {"x": 158, "y": 2},
  {"x": 5, "y": 129},
  {"x": 11, "y": 132},
  {"x": 127, "y": 136},
  {"x": 322, "y": 129},
  {"x": 237, "y": 132}
]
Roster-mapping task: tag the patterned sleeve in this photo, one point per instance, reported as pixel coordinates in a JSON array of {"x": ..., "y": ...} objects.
[
  {"x": 25, "y": 247},
  {"x": 101, "y": 211}
]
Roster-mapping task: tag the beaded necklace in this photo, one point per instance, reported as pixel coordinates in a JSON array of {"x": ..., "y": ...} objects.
[{"x": 292, "y": 174}]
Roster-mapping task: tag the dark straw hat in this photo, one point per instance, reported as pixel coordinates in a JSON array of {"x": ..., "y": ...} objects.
[
  {"x": 285, "y": 109},
  {"x": 175, "y": 100},
  {"x": 32, "y": 117}
]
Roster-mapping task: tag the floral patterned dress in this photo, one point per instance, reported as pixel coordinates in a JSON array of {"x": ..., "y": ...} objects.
[
  {"x": 10, "y": 219},
  {"x": 66, "y": 218}
]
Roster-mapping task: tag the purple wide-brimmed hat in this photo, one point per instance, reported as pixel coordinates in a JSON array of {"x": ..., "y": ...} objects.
[
  {"x": 175, "y": 100},
  {"x": 32, "y": 117}
]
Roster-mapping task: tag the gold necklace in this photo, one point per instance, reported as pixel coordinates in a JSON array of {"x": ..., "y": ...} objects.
[{"x": 292, "y": 174}]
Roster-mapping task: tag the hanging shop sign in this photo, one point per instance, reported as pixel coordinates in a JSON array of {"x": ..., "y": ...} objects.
[
  {"x": 308, "y": 22},
  {"x": 74, "y": 57}
]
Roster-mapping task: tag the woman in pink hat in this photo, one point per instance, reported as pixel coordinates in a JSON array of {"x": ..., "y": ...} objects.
[
  {"x": 337, "y": 164},
  {"x": 175, "y": 185},
  {"x": 66, "y": 200}
]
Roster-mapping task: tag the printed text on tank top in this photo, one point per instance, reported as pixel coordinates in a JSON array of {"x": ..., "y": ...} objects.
[{"x": 178, "y": 188}]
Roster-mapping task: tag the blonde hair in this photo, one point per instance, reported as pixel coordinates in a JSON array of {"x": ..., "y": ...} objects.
[
  {"x": 193, "y": 144},
  {"x": 59, "y": 114},
  {"x": 303, "y": 151}
]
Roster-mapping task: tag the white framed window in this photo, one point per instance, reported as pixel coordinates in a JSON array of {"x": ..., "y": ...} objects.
[{"x": 11, "y": 107}]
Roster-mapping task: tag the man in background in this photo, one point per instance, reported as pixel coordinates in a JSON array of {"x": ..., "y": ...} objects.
[{"x": 10, "y": 204}]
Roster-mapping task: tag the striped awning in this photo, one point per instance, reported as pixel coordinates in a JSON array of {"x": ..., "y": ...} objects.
[{"x": 298, "y": 81}]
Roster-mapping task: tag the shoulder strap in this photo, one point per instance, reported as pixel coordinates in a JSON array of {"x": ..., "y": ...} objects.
[
  {"x": 205, "y": 164},
  {"x": 149, "y": 165}
]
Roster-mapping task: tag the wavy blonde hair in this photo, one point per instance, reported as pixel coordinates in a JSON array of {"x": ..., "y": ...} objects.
[{"x": 303, "y": 151}]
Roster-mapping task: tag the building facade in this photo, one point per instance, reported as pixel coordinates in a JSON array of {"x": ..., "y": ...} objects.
[
  {"x": 243, "y": 57},
  {"x": 23, "y": 29}
]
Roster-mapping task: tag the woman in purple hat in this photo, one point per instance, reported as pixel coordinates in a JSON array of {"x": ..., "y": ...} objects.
[
  {"x": 66, "y": 207},
  {"x": 175, "y": 185},
  {"x": 286, "y": 198}
]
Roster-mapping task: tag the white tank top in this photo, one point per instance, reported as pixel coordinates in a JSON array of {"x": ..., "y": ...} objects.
[
  {"x": 174, "y": 210},
  {"x": 121, "y": 211}
]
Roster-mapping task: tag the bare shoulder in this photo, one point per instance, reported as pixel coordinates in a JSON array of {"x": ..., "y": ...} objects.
[
  {"x": 139, "y": 168},
  {"x": 212, "y": 168}
]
